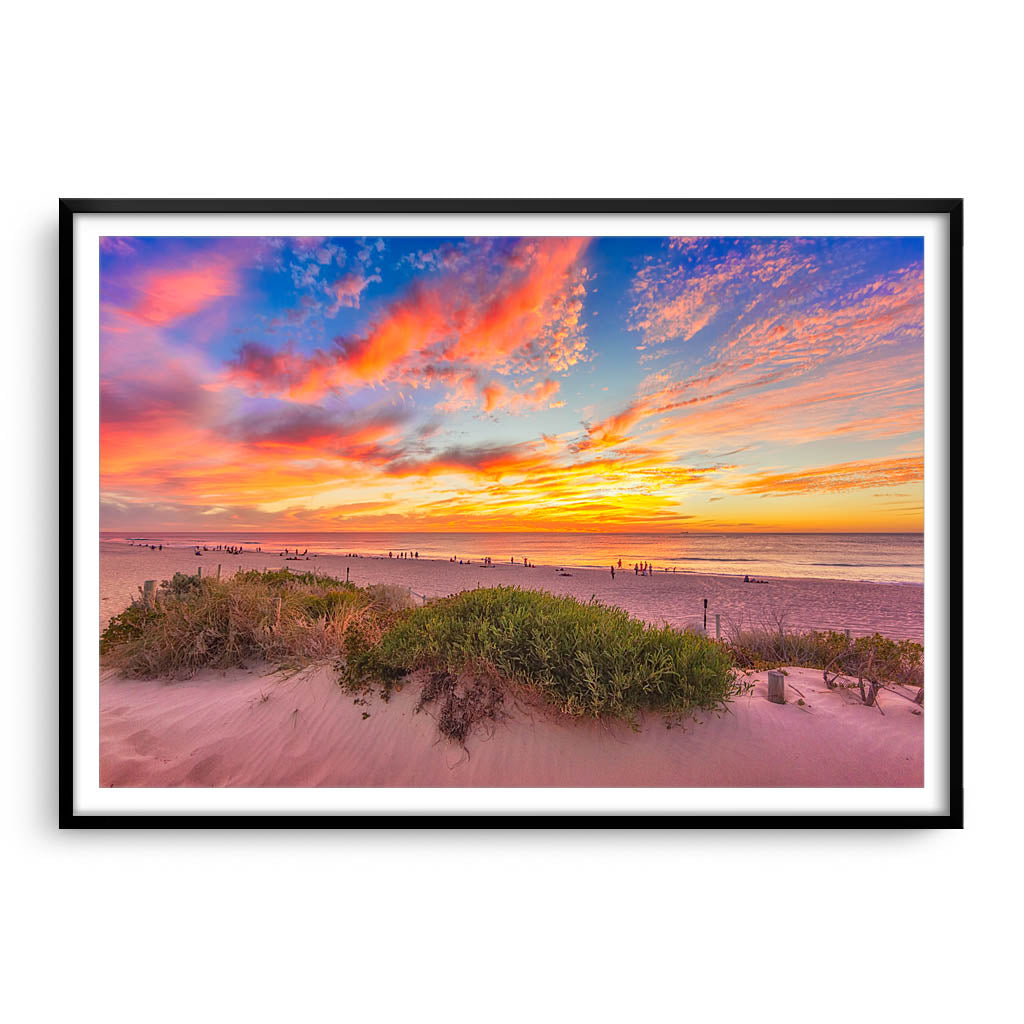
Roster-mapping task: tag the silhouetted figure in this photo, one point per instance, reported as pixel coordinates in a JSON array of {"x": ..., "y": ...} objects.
[{"x": 613, "y": 571}]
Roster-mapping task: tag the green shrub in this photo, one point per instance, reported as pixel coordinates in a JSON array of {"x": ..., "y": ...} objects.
[
  {"x": 588, "y": 659},
  {"x": 127, "y": 628}
]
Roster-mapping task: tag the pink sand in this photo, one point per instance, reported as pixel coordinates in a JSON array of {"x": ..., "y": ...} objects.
[
  {"x": 255, "y": 728},
  {"x": 243, "y": 728}
]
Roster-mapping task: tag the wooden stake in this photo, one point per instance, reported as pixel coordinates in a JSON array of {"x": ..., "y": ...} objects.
[
  {"x": 200, "y": 572},
  {"x": 346, "y": 574},
  {"x": 218, "y": 570},
  {"x": 149, "y": 592},
  {"x": 718, "y": 626},
  {"x": 776, "y": 687}
]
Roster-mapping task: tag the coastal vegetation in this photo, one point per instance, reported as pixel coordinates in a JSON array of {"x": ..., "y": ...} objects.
[
  {"x": 582, "y": 657},
  {"x": 835, "y": 653},
  {"x": 470, "y": 651},
  {"x": 284, "y": 618},
  {"x": 585, "y": 658}
]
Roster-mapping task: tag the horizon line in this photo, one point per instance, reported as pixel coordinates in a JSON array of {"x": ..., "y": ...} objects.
[{"x": 589, "y": 533}]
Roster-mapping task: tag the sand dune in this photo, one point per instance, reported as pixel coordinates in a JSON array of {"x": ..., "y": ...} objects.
[
  {"x": 254, "y": 728},
  {"x": 244, "y": 728}
]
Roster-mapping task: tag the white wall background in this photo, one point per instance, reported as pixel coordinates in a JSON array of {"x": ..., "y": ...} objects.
[{"x": 532, "y": 99}]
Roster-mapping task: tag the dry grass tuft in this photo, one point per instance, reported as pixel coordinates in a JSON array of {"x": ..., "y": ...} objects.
[{"x": 277, "y": 617}]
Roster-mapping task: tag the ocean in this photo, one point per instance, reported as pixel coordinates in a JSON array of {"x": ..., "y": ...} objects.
[{"x": 871, "y": 557}]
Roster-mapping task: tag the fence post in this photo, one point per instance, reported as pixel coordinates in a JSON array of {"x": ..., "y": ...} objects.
[
  {"x": 149, "y": 592},
  {"x": 776, "y": 687},
  {"x": 200, "y": 572},
  {"x": 718, "y": 626},
  {"x": 346, "y": 574},
  {"x": 218, "y": 570}
]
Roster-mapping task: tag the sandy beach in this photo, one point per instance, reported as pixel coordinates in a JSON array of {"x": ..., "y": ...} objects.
[
  {"x": 895, "y": 610},
  {"x": 247, "y": 728},
  {"x": 254, "y": 727}
]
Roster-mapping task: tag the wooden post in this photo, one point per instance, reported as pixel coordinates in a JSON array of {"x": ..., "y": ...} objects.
[
  {"x": 149, "y": 593},
  {"x": 346, "y": 574},
  {"x": 776, "y": 687},
  {"x": 718, "y": 626},
  {"x": 200, "y": 572},
  {"x": 218, "y": 570},
  {"x": 847, "y": 634}
]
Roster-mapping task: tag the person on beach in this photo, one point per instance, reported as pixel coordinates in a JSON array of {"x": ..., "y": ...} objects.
[
  {"x": 636, "y": 569},
  {"x": 613, "y": 571},
  {"x": 620, "y": 563}
]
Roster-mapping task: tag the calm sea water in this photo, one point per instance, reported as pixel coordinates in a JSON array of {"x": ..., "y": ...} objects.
[{"x": 876, "y": 557}]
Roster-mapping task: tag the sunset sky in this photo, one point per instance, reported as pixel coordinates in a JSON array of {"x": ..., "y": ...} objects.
[{"x": 458, "y": 384}]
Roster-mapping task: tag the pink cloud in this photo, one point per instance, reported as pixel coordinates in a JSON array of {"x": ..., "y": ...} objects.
[
  {"x": 166, "y": 296},
  {"x": 348, "y": 289},
  {"x": 505, "y": 311}
]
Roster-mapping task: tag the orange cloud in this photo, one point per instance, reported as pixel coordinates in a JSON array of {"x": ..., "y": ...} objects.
[
  {"x": 514, "y": 311},
  {"x": 844, "y": 476}
]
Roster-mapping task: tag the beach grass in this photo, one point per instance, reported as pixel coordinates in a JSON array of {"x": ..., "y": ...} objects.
[
  {"x": 287, "y": 619},
  {"x": 586, "y": 658},
  {"x": 875, "y": 656}
]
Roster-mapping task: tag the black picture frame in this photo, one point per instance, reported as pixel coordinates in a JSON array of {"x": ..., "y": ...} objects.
[{"x": 952, "y": 209}]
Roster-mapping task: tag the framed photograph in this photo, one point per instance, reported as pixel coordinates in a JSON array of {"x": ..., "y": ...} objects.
[{"x": 507, "y": 512}]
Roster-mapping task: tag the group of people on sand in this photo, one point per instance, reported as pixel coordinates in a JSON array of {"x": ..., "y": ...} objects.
[
  {"x": 486, "y": 562},
  {"x": 643, "y": 569},
  {"x": 228, "y": 549},
  {"x": 404, "y": 554}
]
